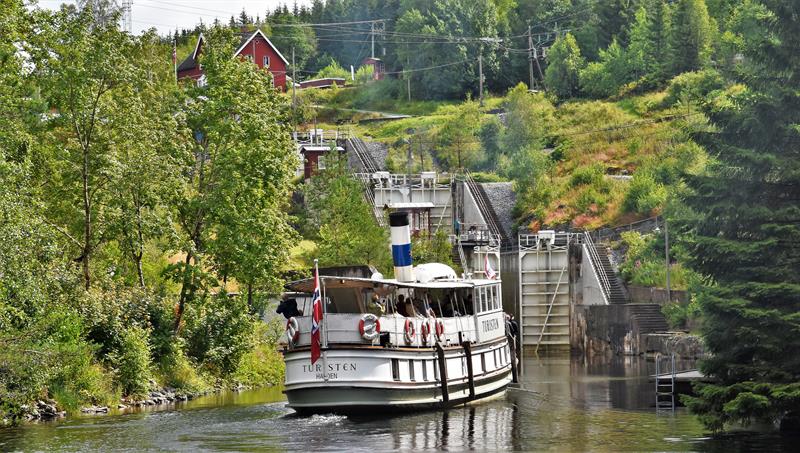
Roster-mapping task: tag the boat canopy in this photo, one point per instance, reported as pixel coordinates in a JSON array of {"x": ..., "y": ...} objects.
[{"x": 307, "y": 285}]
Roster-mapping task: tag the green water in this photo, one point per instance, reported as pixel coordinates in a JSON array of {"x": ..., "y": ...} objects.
[{"x": 568, "y": 405}]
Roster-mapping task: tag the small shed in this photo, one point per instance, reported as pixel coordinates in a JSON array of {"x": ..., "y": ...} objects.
[
  {"x": 378, "y": 67},
  {"x": 313, "y": 157}
]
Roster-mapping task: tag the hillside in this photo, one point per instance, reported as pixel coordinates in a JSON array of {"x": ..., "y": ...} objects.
[{"x": 579, "y": 164}]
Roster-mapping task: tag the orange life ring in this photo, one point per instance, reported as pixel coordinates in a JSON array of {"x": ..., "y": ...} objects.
[
  {"x": 439, "y": 329},
  {"x": 369, "y": 327},
  {"x": 292, "y": 330},
  {"x": 409, "y": 331}
]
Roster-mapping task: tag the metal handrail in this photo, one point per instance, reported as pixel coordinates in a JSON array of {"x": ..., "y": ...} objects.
[
  {"x": 549, "y": 310},
  {"x": 594, "y": 260},
  {"x": 491, "y": 221}
]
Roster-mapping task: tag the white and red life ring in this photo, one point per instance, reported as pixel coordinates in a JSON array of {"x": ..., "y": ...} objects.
[
  {"x": 369, "y": 327},
  {"x": 292, "y": 330},
  {"x": 439, "y": 329},
  {"x": 425, "y": 331},
  {"x": 409, "y": 331}
]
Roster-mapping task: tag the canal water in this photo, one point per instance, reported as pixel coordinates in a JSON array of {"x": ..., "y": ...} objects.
[{"x": 566, "y": 405}]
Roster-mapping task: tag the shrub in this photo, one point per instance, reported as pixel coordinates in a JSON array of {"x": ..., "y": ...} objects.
[
  {"x": 365, "y": 74},
  {"x": 333, "y": 70},
  {"x": 263, "y": 364},
  {"x": 694, "y": 85},
  {"x": 218, "y": 332},
  {"x": 644, "y": 194},
  {"x": 592, "y": 175},
  {"x": 132, "y": 361}
]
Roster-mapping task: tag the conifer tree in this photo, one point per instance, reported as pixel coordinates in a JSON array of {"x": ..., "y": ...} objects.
[
  {"x": 690, "y": 37},
  {"x": 744, "y": 233}
]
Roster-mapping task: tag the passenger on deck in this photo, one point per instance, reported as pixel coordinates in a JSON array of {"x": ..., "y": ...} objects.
[
  {"x": 410, "y": 310},
  {"x": 288, "y": 308},
  {"x": 374, "y": 306},
  {"x": 401, "y": 306}
]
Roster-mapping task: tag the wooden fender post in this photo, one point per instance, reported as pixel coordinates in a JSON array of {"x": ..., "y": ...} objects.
[
  {"x": 442, "y": 373},
  {"x": 471, "y": 376}
]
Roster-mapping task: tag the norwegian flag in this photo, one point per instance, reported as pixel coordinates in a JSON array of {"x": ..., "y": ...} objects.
[
  {"x": 487, "y": 267},
  {"x": 316, "y": 319}
]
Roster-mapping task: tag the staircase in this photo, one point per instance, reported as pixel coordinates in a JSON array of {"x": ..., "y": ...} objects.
[
  {"x": 359, "y": 149},
  {"x": 616, "y": 294},
  {"x": 485, "y": 206},
  {"x": 647, "y": 318}
]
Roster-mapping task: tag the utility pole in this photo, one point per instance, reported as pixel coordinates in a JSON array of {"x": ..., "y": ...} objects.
[
  {"x": 480, "y": 76},
  {"x": 530, "y": 58},
  {"x": 372, "y": 37},
  {"x": 294, "y": 92},
  {"x": 666, "y": 252}
]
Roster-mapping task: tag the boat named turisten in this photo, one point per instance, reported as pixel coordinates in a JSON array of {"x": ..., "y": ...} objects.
[{"x": 425, "y": 339}]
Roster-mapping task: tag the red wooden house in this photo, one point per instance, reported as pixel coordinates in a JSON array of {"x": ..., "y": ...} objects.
[
  {"x": 253, "y": 46},
  {"x": 378, "y": 68}
]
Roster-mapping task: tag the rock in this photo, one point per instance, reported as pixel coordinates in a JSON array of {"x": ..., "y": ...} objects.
[
  {"x": 121, "y": 406},
  {"x": 181, "y": 397}
]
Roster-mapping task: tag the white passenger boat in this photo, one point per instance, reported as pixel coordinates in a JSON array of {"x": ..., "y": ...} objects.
[{"x": 450, "y": 348}]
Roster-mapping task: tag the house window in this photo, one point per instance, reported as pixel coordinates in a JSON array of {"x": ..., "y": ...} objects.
[
  {"x": 249, "y": 58},
  {"x": 265, "y": 61}
]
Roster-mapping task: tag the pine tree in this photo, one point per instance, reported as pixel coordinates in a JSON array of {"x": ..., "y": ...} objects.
[
  {"x": 661, "y": 22},
  {"x": 743, "y": 231},
  {"x": 690, "y": 37}
]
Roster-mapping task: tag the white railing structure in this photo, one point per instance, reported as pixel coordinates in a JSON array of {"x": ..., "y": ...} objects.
[
  {"x": 319, "y": 136},
  {"x": 597, "y": 267}
]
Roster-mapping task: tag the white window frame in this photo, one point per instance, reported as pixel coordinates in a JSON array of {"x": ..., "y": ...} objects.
[{"x": 265, "y": 61}]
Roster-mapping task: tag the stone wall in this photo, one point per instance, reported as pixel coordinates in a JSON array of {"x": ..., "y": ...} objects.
[{"x": 648, "y": 294}]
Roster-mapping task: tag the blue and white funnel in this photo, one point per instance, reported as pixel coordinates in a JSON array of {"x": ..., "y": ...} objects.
[{"x": 401, "y": 246}]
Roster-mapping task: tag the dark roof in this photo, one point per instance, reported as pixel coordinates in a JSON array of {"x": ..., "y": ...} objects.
[{"x": 188, "y": 63}]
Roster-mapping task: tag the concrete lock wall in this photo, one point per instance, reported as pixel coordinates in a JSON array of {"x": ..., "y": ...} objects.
[{"x": 590, "y": 287}]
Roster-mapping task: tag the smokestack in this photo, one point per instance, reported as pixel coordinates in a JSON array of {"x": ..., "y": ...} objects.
[{"x": 401, "y": 246}]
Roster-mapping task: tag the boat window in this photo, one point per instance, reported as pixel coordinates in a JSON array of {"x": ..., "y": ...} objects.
[
  {"x": 344, "y": 300},
  {"x": 395, "y": 370},
  {"x": 435, "y": 371},
  {"x": 411, "y": 370},
  {"x": 483, "y": 362},
  {"x": 424, "y": 370}
]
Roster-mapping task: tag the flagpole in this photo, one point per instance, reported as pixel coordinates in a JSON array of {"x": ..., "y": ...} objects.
[{"x": 324, "y": 329}]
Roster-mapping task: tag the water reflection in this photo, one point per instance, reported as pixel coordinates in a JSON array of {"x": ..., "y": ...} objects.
[{"x": 566, "y": 405}]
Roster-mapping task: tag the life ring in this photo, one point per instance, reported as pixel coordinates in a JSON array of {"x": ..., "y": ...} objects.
[
  {"x": 409, "y": 331},
  {"x": 439, "y": 329},
  {"x": 292, "y": 330},
  {"x": 369, "y": 326},
  {"x": 425, "y": 331}
]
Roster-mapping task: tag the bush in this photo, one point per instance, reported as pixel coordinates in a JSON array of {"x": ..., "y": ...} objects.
[
  {"x": 694, "y": 85},
  {"x": 592, "y": 175},
  {"x": 179, "y": 372},
  {"x": 333, "y": 70},
  {"x": 263, "y": 365},
  {"x": 365, "y": 74},
  {"x": 218, "y": 332},
  {"x": 132, "y": 361},
  {"x": 644, "y": 194}
]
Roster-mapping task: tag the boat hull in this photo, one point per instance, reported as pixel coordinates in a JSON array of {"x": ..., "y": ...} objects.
[{"x": 389, "y": 380}]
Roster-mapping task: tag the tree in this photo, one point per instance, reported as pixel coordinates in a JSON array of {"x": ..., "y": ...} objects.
[
  {"x": 562, "y": 74},
  {"x": 743, "y": 231},
  {"x": 348, "y": 235},
  {"x": 457, "y": 144},
  {"x": 527, "y": 118},
  {"x": 81, "y": 66},
  {"x": 613, "y": 19},
  {"x": 690, "y": 37},
  {"x": 237, "y": 176},
  {"x": 605, "y": 77}
]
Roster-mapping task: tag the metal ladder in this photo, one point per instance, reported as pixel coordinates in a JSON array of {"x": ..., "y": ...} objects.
[{"x": 665, "y": 385}]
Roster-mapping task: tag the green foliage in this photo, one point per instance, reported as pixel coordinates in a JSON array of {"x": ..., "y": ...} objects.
[
  {"x": 590, "y": 175},
  {"x": 333, "y": 70},
  {"x": 604, "y": 78},
  {"x": 645, "y": 194},
  {"x": 691, "y": 36},
  {"x": 343, "y": 219},
  {"x": 693, "y": 86},
  {"x": 527, "y": 118},
  {"x": 457, "y": 144},
  {"x": 562, "y": 74},
  {"x": 131, "y": 361},
  {"x": 432, "y": 248},
  {"x": 263, "y": 364},
  {"x": 218, "y": 333},
  {"x": 644, "y": 263},
  {"x": 365, "y": 74}
]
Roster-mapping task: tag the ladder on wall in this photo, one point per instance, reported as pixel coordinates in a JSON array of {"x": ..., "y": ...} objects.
[{"x": 665, "y": 383}]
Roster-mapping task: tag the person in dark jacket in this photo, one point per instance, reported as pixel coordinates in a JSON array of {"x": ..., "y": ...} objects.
[{"x": 288, "y": 307}]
